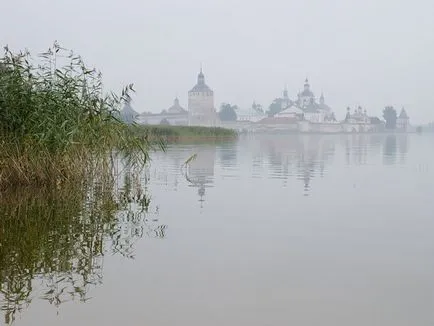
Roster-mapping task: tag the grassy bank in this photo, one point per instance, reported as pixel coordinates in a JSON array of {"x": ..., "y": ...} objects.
[
  {"x": 177, "y": 134},
  {"x": 56, "y": 123}
]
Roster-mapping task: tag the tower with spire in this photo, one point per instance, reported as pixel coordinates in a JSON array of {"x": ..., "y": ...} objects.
[
  {"x": 403, "y": 121},
  {"x": 285, "y": 101},
  {"x": 201, "y": 110},
  {"x": 321, "y": 99},
  {"x": 306, "y": 97},
  {"x": 285, "y": 92}
]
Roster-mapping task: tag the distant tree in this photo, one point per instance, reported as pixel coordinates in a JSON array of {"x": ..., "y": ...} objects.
[
  {"x": 348, "y": 115},
  {"x": 375, "y": 120},
  {"x": 390, "y": 115},
  {"x": 228, "y": 112},
  {"x": 275, "y": 107},
  {"x": 419, "y": 129}
]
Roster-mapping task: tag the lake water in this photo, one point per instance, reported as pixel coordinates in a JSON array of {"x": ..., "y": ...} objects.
[{"x": 268, "y": 230}]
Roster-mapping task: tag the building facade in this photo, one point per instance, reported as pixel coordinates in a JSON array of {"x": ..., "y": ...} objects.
[
  {"x": 403, "y": 121},
  {"x": 176, "y": 115},
  {"x": 201, "y": 110},
  {"x": 305, "y": 108},
  {"x": 254, "y": 114}
]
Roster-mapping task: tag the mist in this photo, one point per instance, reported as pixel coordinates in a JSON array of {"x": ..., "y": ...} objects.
[{"x": 368, "y": 53}]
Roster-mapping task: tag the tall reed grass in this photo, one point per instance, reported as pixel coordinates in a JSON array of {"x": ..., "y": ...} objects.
[
  {"x": 53, "y": 241},
  {"x": 174, "y": 134},
  {"x": 56, "y": 121}
]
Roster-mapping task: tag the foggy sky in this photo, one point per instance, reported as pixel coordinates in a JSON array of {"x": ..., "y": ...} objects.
[{"x": 369, "y": 52}]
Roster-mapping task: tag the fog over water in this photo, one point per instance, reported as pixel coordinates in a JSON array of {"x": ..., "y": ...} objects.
[
  {"x": 370, "y": 53},
  {"x": 268, "y": 230}
]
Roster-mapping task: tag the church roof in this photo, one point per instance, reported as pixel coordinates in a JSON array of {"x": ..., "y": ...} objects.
[
  {"x": 176, "y": 108},
  {"x": 128, "y": 114},
  {"x": 201, "y": 86},
  {"x": 306, "y": 92},
  {"x": 311, "y": 107},
  {"x": 403, "y": 114},
  {"x": 292, "y": 109},
  {"x": 324, "y": 107}
]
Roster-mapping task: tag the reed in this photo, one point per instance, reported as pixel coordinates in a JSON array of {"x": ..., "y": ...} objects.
[
  {"x": 56, "y": 120},
  {"x": 58, "y": 236},
  {"x": 174, "y": 134}
]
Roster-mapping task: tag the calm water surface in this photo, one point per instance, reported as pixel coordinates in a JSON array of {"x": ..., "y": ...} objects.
[{"x": 269, "y": 230}]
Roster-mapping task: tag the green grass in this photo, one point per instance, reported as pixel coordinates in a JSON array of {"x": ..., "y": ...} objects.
[
  {"x": 174, "y": 134},
  {"x": 56, "y": 121}
]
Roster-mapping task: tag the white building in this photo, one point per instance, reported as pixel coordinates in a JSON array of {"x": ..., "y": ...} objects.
[
  {"x": 403, "y": 121},
  {"x": 291, "y": 112},
  {"x": 176, "y": 115},
  {"x": 254, "y": 114},
  {"x": 201, "y": 110},
  {"x": 359, "y": 116},
  {"x": 314, "y": 112},
  {"x": 358, "y": 121}
]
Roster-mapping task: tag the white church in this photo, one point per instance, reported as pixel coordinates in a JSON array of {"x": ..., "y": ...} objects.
[{"x": 306, "y": 108}]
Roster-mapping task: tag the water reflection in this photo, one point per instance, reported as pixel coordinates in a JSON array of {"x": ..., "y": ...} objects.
[
  {"x": 52, "y": 243},
  {"x": 389, "y": 150},
  {"x": 394, "y": 147},
  {"x": 228, "y": 155},
  {"x": 403, "y": 146},
  {"x": 286, "y": 157},
  {"x": 299, "y": 156},
  {"x": 200, "y": 171}
]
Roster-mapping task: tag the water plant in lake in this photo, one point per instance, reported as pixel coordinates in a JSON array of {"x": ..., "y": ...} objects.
[
  {"x": 56, "y": 121},
  {"x": 53, "y": 242},
  {"x": 62, "y": 152}
]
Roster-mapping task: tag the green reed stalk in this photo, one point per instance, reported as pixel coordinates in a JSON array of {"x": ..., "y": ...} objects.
[{"x": 55, "y": 119}]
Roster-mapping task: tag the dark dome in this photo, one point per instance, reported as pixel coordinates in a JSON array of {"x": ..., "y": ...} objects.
[
  {"x": 306, "y": 92},
  {"x": 201, "y": 86}
]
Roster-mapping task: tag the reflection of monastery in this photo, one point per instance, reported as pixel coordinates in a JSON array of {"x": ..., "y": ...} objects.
[
  {"x": 303, "y": 156},
  {"x": 200, "y": 171},
  {"x": 306, "y": 157}
]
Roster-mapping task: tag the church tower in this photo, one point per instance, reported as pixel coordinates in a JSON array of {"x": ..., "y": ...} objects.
[
  {"x": 321, "y": 99},
  {"x": 285, "y": 101},
  {"x": 201, "y": 111},
  {"x": 306, "y": 97}
]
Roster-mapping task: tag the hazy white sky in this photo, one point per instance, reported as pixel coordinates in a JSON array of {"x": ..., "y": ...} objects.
[{"x": 366, "y": 52}]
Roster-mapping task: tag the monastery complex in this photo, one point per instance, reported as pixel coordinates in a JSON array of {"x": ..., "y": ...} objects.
[{"x": 302, "y": 114}]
